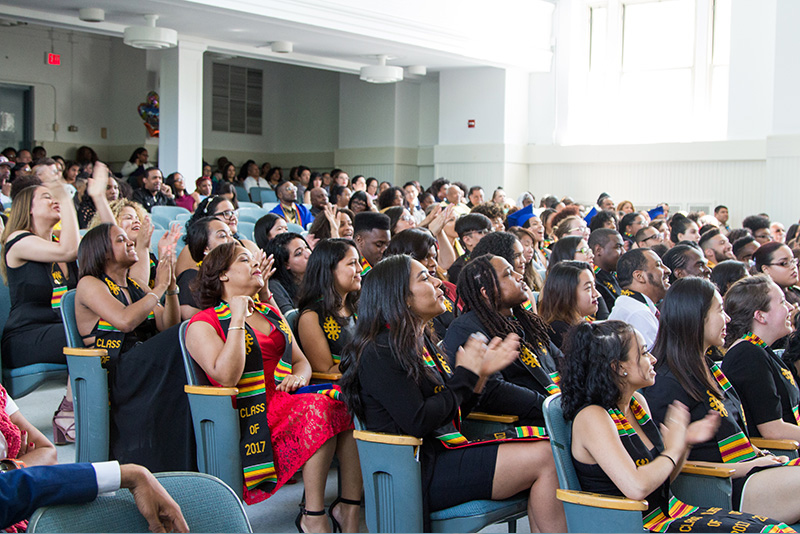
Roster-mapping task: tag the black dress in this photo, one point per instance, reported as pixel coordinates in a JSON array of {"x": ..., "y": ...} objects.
[
  {"x": 186, "y": 297},
  {"x": 731, "y": 443},
  {"x": 150, "y": 421},
  {"x": 764, "y": 383},
  {"x": 666, "y": 513},
  {"x": 607, "y": 286},
  {"x": 34, "y": 332},
  {"x": 338, "y": 330},
  {"x": 557, "y": 331},
  {"x": 395, "y": 404}
]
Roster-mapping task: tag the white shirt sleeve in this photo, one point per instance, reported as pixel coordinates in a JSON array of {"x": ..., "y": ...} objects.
[
  {"x": 11, "y": 406},
  {"x": 109, "y": 476}
]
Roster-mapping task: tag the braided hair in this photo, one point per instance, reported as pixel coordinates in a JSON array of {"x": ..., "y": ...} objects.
[{"x": 479, "y": 274}]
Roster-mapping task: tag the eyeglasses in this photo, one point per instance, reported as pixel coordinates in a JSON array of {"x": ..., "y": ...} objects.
[
  {"x": 227, "y": 214},
  {"x": 786, "y": 263},
  {"x": 656, "y": 236},
  {"x": 583, "y": 250},
  {"x": 407, "y": 218}
]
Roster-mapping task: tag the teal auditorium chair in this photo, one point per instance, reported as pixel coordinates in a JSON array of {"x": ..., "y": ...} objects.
[
  {"x": 259, "y": 195},
  {"x": 208, "y": 505},
  {"x": 216, "y": 424},
  {"x": 590, "y": 512},
  {"x": 23, "y": 380},
  {"x": 246, "y": 229},
  {"x": 292, "y": 227},
  {"x": 251, "y": 214},
  {"x": 247, "y": 205},
  {"x": 241, "y": 193},
  {"x": 89, "y": 389},
  {"x": 169, "y": 212},
  {"x": 393, "y": 491}
]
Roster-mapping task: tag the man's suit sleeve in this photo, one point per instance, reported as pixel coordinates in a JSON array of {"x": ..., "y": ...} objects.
[{"x": 22, "y": 491}]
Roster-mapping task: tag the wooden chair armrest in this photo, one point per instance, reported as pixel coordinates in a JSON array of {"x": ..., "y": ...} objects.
[
  {"x": 325, "y": 376},
  {"x": 96, "y": 353},
  {"x": 390, "y": 439},
  {"x": 694, "y": 469},
  {"x": 600, "y": 501},
  {"x": 211, "y": 391},
  {"x": 494, "y": 418},
  {"x": 780, "y": 444}
]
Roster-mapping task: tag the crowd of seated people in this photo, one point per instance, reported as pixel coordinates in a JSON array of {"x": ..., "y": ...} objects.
[{"x": 429, "y": 304}]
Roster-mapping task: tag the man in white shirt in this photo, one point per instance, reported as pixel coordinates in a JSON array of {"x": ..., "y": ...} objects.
[{"x": 644, "y": 280}]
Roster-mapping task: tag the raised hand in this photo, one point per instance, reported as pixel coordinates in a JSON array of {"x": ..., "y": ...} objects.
[
  {"x": 169, "y": 240},
  {"x": 98, "y": 182}
]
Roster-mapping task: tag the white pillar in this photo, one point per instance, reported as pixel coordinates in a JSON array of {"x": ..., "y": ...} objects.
[{"x": 180, "y": 142}]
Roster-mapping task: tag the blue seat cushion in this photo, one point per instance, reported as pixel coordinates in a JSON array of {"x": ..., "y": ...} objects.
[
  {"x": 476, "y": 508},
  {"x": 33, "y": 369}
]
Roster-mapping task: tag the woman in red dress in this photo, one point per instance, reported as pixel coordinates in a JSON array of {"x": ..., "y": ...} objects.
[{"x": 241, "y": 343}]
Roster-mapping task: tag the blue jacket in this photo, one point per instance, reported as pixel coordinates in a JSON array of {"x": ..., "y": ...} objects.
[
  {"x": 302, "y": 212},
  {"x": 22, "y": 491}
]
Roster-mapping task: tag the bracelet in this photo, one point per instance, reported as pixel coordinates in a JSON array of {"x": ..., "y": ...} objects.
[
  {"x": 668, "y": 457},
  {"x": 175, "y": 291},
  {"x": 235, "y": 328}
]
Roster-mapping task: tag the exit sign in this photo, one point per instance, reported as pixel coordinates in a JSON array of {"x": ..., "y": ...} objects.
[{"x": 53, "y": 59}]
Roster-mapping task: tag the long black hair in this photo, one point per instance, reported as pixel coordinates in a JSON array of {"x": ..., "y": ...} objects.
[
  {"x": 279, "y": 248},
  {"x": 264, "y": 227},
  {"x": 197, "y": 237},
  {"x": 206, "y": 208},
  {"x": 564, "y": 249},
  {"x": 384, "y": 306},
  {"x": 479, "y": 274},
  {"x": 559, "y": 298},
  {"x": 415, "y": 242},
  {"x": 319, "y": 281},
  {"x": 592, "y": 355},
  {"x": 94, "y": 251},
  {"x": 680, "y": 341}
]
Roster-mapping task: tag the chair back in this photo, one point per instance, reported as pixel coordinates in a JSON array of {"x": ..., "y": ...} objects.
[
  {"x": 241, "y": 193},
  {"x": 292, "y": 227},
  {"x": 216, "y": 425},
  {"x": 247, "y": 204},
  {"x": 194, "y": 493},
  {"x": 89, "y": 391},
  {"x": 260, "y": 195},
  {"x": 170, "y": 212},
  {"x": 392, "y": 485},
  {"x": 560, "y": 432},
  {"x": 246, "y": 229},
  {"x": 292, "y": 317}
]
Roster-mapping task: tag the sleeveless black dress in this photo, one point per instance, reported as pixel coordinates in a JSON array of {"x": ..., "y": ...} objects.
[
  {"x": 34, "y": 332},
  {"x": 338, "y": 330},
  {"x": 665, "y": 513}
]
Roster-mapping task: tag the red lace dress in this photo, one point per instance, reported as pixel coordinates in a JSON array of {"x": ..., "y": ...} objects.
[
  {"x": 299, "y": 424},
  {"x": 13, "y": 438}
]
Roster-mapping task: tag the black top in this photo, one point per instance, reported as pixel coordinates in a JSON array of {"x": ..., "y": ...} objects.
[
  {"x": 185, "y": 297},
  {"x": 513, "y": 391},
  {"x": 86, "y": 210},
  {"x": 607, "y": 286},
  {"x": 146, "y": 199},
  {"x": 282, "y": 297},
  {"x": 442, "y": 322},
  {"x": 338, "y": 330},
  {"x": 764, "y": 383},
  {"x": 31, "y": 287},
  {"x": 557, "y": 331},
  {"x": 455, "y": 268},
  {"x": 730, "y": 444},
  {"x": 395, "y": 404}
]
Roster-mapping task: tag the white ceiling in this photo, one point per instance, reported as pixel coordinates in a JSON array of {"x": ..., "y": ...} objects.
[{"x": 336, "y": 35}]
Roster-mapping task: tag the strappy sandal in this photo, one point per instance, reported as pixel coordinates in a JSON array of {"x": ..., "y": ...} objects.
[
  {"x": 340, "y": 500},
  {"x": 64, "y": 425},
  {"x": 303, "y": 512}
]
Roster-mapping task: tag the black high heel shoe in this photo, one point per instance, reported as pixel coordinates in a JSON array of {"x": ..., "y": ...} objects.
[
  {"x": 336, "y": 526},
  {"x": 303, "y": 512}
]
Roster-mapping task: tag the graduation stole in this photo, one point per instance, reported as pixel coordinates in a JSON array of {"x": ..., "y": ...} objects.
[
  {"x": 365, "y": 266},
  {"x": 106, "y": 335},
  {"x": 255, "y": 445},
  {"x": 735, "y": 447},
  {"x": 635, "y": 295},
  {"x": 450, "y": 434},
  {"x": 788, "y": 379},
  {"x": 59, "y": 286},
  {"x": 607, "y": 279},
  {"x": 549, "y": 381}
]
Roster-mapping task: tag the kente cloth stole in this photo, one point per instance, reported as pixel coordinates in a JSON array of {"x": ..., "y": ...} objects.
[
  {"x": 786, "y": 374},
  {"x": 735, "y": 447},
  {"x": 365, "y": 266},
  {"x": 255, "y": 445},
  {"x": 635, "y": 295},
  {"x": 607, "y": 279},
  {"x": 59, "y": 285},
  {"x": 549, "y": 381},
  {"x": 450, "y": 434},
  {"x": 106, "y": 336}
]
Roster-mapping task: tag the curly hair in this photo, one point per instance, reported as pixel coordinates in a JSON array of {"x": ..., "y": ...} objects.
[
  {"x": 490, "y": 209},
  {"x": 116, "y": 208},
  {"x": 592, "y": 355},
  {"x": 388, "y": 197},
  {"x": 207, "y": 287}
]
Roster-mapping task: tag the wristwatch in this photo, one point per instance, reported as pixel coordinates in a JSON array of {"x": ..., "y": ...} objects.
[{"x": 9, "y": 464}]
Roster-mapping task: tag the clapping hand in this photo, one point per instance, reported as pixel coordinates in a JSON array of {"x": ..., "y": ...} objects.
[{"x": 98, "y": 182}]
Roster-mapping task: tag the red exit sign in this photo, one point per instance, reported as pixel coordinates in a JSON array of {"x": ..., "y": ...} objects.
[{"x": 53, "y": 59}]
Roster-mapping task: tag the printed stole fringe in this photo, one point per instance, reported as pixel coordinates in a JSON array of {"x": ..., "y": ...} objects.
[
  {"x": 450, "y": 435},
  {"x": 258, "y": 461},
  {"x": 59, "y": 286}
]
